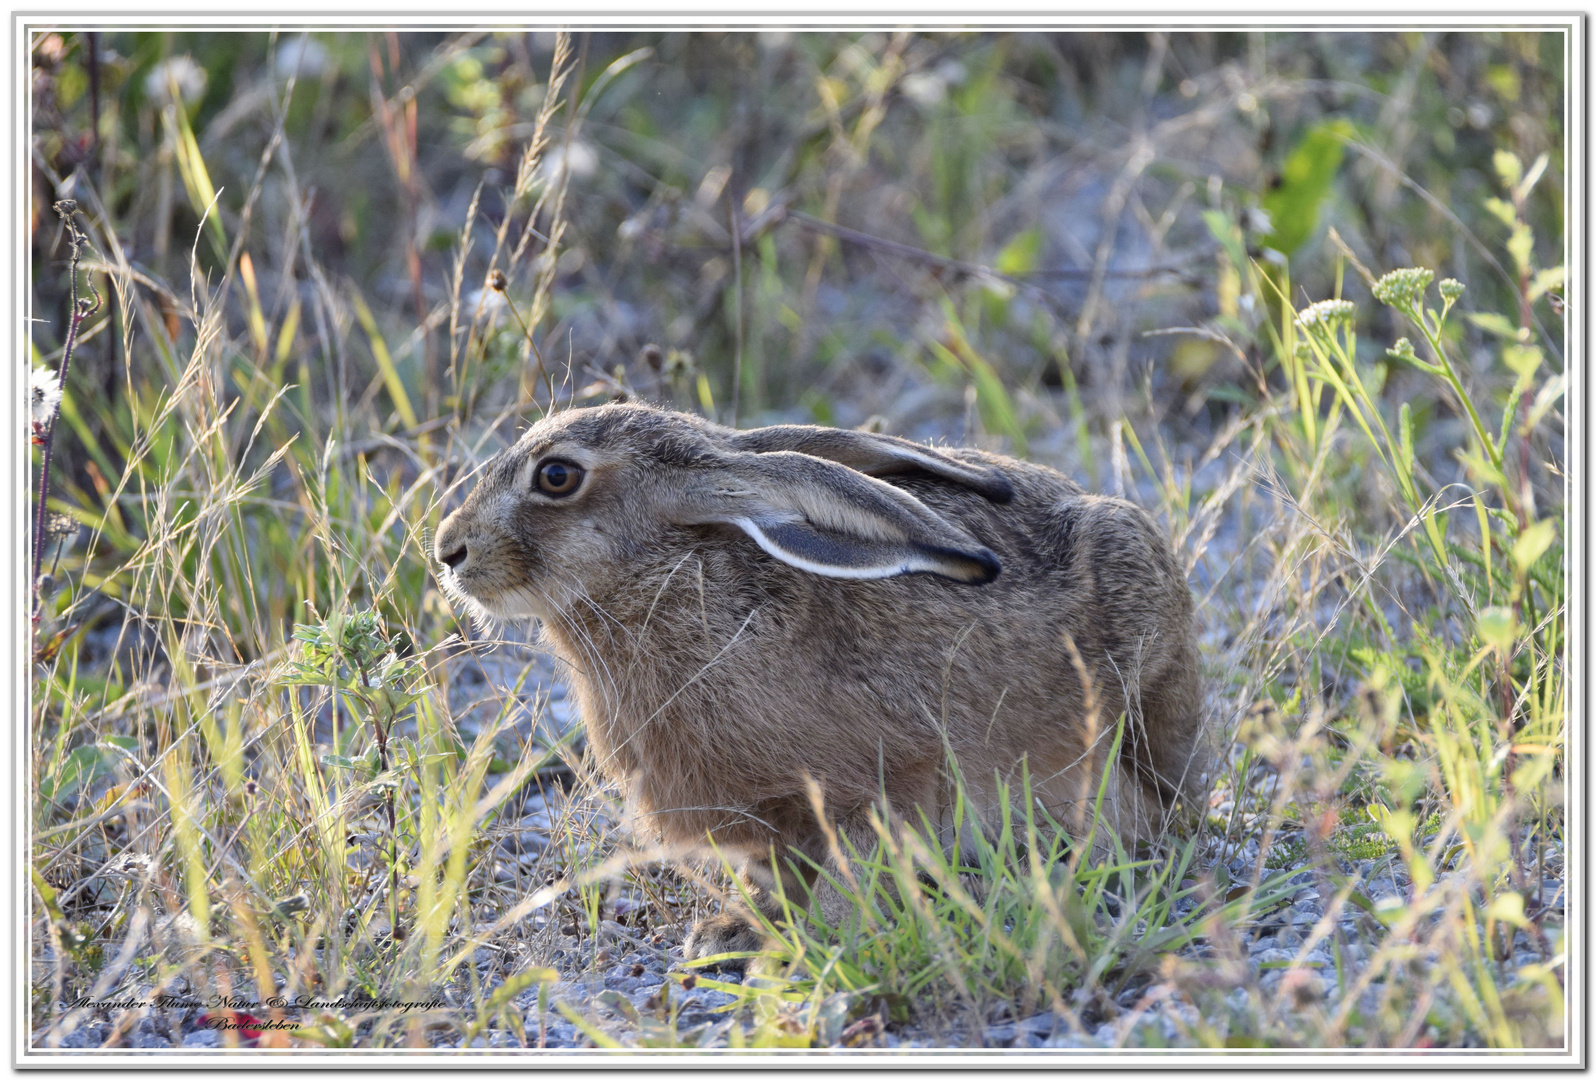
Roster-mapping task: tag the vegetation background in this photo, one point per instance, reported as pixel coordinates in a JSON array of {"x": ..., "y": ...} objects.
[{"x": 333, "y": 272}]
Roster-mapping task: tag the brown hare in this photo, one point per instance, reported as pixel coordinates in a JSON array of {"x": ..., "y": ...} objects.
[{"x": 749, "y": 615}]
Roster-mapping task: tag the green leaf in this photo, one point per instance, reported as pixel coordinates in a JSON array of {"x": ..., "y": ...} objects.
[
  {"x": 379, "y": 352},
  {"x": 1497, "y": 628},
  {"x": 78, "y": 769},
  {"x": 1523, "y": 360},
  {"x": 1508, "y": 908},
  {"x": 1545, "y": 281},
  {"x": 196, "y": 178},
  {"x": 1533, "y": 544},
  {"x": 1493, "y": 323},
  {"x": 1545, "y": 400},
  {"x": 1503, "y": 210},
  {"x": 1019, "y": 256},
  {"x": 1405, "y": 434},
  {"x": 1305, "y": 180},
  {"x": 1228, "y": 234},
  {"x": 1509, "y": 169},
  {"x": 1521, "y": 245},
  {"x": 620, "y": 1003}
]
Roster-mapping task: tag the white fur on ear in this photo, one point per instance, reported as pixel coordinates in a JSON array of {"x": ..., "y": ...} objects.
[{"x": 836, "y": 555}]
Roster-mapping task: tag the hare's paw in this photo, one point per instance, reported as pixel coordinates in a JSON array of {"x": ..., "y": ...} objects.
[{"x": 724, "y": 933}]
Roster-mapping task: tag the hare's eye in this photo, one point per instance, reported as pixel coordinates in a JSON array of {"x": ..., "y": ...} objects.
[{"x": 558, "y": 478}]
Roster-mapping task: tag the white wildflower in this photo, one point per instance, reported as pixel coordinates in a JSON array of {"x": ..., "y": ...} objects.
[
  {"x": 488, "y": 302},
  {"x": 926, "y": 89},
  {"x": 1327, "y": 313},
  {"x": 179, "y": 71},
  {"x": 46, "y": 395},
  {"x": 303, "y": 56},
  {"x": 579, "y": 156}
]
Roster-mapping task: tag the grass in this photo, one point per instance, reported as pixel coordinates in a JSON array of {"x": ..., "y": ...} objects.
[{"x": 267, "y": 760}]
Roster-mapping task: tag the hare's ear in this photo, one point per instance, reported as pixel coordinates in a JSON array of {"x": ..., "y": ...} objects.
[
  {"x": 831, "y": 520},
  {"x": 874, "y": 455}
]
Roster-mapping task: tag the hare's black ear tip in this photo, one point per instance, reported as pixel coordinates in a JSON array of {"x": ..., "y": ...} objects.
[
  {"x": 999, "y": 490},
  {"x": 984, "y": 567}
]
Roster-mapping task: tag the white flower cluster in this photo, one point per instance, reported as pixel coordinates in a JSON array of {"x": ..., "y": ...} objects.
[
  {"x": 45, "y": 396},
  {"x": 1403, "y": 287},
  {"x": 1327, "y": 313}
]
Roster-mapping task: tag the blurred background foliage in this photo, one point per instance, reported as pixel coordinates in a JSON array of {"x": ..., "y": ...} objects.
[{"x": 1097, "y": 172}]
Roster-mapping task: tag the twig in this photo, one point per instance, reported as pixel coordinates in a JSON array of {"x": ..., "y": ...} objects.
[{"x": 82, "y": 308}]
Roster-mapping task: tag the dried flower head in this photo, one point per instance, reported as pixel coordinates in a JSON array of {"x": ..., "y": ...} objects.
[
  {"x": 497, "y": 281},
  {"x": 59, "y": 527},
  {"x": 1327, "y": 313},
  {"x": 1402, "y": 288},
  {"x": 652, "y": 355}
]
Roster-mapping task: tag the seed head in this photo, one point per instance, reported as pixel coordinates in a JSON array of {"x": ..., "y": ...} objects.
[
  {"x": 59, "y": 527},
  {"x": 679, "y": 363},
  {"x": 497, "y": 281},
  {"x": 652, "y": 356},
  {"x": 1402, "y": 350},
  {"x": 1402, "y": 288}
]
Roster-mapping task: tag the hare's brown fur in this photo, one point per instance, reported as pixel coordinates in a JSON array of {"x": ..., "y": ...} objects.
[{"x": 718, "y": 682}]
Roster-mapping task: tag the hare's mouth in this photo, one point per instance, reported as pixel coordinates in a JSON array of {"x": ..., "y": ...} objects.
[{"x": 492, "y": 604}]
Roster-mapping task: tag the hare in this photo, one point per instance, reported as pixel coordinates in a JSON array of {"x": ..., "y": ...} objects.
[{"x": 753, "y": 618}]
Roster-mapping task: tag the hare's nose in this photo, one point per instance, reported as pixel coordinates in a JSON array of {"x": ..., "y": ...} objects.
[{"x": 453, "y": 559}]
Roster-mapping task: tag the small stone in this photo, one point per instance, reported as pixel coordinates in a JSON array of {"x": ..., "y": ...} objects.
[
  {"x": 1000, "y": 1035},
  {"x": 1069, "y": 1040},
  {"x": 1040, "y": 1024},
  {"x": 204, "y": 1037},
  {"x": 89, "y": 1035}
]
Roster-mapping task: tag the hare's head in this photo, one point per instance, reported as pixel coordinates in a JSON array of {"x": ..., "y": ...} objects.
[{"x": 583, "y": 497}]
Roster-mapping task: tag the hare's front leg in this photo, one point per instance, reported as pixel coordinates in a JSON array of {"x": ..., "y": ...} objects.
[{"x": 736, "y": 929}]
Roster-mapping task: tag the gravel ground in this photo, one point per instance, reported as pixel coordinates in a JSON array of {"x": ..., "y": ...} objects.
[
  {"x": 623, "y": 988},
  {"x": 615, "y": 981}
]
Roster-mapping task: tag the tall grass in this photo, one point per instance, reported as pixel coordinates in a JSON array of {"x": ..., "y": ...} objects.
[{"x": 267, "y": 760}]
